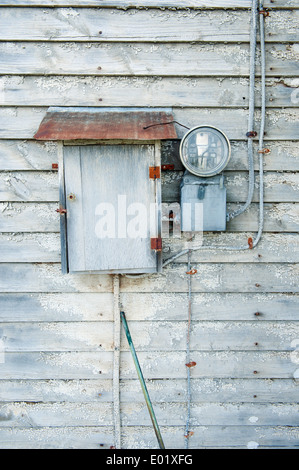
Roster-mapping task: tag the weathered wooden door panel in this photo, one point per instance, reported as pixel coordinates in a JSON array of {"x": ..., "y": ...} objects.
[{"x": 110, "y": 204}]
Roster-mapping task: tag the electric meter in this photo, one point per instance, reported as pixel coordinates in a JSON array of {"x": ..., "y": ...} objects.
[{"x": 205, "y": 151}]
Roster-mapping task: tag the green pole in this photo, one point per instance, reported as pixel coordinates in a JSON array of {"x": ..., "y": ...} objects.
[{"x": 142, "y": 382}]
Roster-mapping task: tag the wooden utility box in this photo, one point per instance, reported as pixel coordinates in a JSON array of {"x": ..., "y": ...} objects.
[{"x": 110, "y": 187}]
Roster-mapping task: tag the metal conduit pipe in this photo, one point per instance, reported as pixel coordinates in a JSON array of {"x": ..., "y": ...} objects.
[
  {"x": 261, "y": 161},
  {"x": 116, "y": 363},
  {"x": 262, "y": 124},
  {"x": 250, "y": 133}
]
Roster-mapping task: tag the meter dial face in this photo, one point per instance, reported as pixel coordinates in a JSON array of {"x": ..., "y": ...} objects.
[{"x": 205, "y": 151}]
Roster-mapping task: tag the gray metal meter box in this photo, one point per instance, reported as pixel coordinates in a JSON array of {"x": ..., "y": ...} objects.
[
  {"x": 110, "y": 187},
  {"x": 205, "y": 152},
  {"x": 203, "y": 203}
]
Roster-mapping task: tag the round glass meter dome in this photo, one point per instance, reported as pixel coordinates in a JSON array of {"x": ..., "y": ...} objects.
[{"x": 205, "y": 151}]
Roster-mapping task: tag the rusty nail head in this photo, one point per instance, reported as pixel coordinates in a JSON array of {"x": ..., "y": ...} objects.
[
  {"x": 192, "y": 271},
  {"x": 71, "y": 197},
  {"x": 54, "y": 166},
  {"x": 191, "y": 364},
  {"x": 251, "y": 134},
  {"x": 250, "y": 243}
]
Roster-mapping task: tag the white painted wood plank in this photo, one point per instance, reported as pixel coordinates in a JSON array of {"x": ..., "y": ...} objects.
[
  {"x": 162, "y": 59},
  {"x": 277, "y": 186},
  {"x": 211, "y": 335},
  {"x": 57, "y": 438},
  {"x": 235, "y": 437},
  {"x": 205, "y": 390},
  {"x": 127, "y": 91},
  {"x": 23, "y": 122},
  {"x": 155, "y": 365},
  {"x": 214, "y": 414},
  {"x": 27, "y": 155},
  {"x": 153, "y": 3},
  {"x": 52, "y": 280},
  {"x": 243, "y": 437},
  {"x": 22, "y": 217},
  {"x": 279, "y": 123},
  {"x": 23, "y": 415},
  {"x": 273, "y": 248},
  {"x": 139, "y": 25},
  {"x": 24, "y": 155},
  {"x": 18, "y": 277},
  {"x": 278, "y": 218},
  {"x": 70, "y": 307},
  {"x": 209, "y": 390},
  {"x": 51, "y": 307},
  {"x": 150, "y": 336},
  {"x": 220, "y": 278},
  {"x": 58, "y": 336},
  {"x": 30, "y": 186},
  {"x": 34, "y": 248},
  {"x": 208, "y": 306}
]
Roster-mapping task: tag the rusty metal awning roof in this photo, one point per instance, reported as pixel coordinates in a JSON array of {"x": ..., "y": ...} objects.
[{"x": 107, "y": 123}]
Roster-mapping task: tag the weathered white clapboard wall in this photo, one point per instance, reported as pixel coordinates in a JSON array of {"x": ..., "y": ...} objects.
[{"x": 57, "y": 331}]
